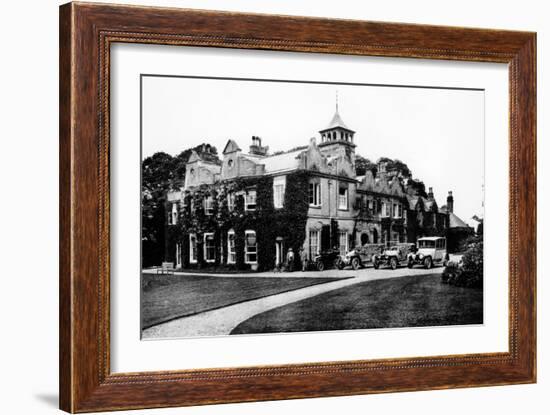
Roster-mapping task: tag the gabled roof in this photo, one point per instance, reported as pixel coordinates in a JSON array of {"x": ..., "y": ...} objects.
[
  {"x": 231, "y": 147},
  {"x": 193, "y": 157},
  {"x": 413, "y": 200},
  {"x": 456, "y": 222},
  {"x": 204, "y": 157},
  {"x": 429, "y": 203}
]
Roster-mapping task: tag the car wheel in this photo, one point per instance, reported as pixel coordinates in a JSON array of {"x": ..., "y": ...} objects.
[
  {"x": 320, "y": 266},
  {"x": 338, "y": 264},
  {"x": 393, "y": 263},
  {"x": 376, "y": 264},
  {"x": 410, "y": 263},
  {"x": 428, "y": 262},
  {"x": 355, "y": 263}
]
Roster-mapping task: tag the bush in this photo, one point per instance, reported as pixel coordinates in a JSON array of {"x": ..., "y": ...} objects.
[
  {"x": 470, "y": 272},
  {"x": 450, "y": 273}
]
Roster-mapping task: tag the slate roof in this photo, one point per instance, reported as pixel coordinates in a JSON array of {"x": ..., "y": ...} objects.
[
  {"x": 456, "y": 222},
  {"x": 281, "y": 162},
  {"x": 337, "y": 122}
]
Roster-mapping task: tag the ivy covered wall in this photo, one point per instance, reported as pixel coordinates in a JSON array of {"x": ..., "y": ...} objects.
[{"x": 269, "y": 223}]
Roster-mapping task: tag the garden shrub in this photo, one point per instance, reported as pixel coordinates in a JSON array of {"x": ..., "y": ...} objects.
[{"x": 470, "y": 272}]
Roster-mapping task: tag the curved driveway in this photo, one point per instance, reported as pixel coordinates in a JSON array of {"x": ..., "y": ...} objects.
[{"x": 222, "y": 321}]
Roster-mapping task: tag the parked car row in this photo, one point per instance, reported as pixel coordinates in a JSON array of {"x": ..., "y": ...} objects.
[{"x": 427, "y": 252}]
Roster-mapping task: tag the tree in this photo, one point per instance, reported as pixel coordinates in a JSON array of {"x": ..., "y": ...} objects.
[
  {"x": 160, "y": 173},
  {"x": 157, "y": 174},
  {"x": 417, "y": 187},
  {"x": 363, "y": 164},
  {"x": 400, "y": 167}
]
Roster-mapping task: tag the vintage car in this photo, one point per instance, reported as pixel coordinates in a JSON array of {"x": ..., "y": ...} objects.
[
  {"x": 327, "y": 259},
  {"x": 429, "y": 251},
  {"x": 393, "y": 257},
  {"x": 361, "y": 255}
]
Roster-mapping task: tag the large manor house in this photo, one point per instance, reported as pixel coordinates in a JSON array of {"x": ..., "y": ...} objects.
[{"x": 340, "y": 210}]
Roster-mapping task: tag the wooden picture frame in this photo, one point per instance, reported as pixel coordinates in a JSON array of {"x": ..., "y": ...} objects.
[{"x": 86, "y": 33}]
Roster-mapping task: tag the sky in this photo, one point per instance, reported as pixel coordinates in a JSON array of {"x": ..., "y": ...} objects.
[{"x": 438, "y": 133}]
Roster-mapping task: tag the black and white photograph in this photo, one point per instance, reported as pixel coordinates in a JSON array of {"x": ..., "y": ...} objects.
[{"x": 286, "y": 206}]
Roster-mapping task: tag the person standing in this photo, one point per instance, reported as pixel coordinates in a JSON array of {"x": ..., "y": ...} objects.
[
  {"x": 290, "y": 260},
  {"x": 304, "y": 259}
]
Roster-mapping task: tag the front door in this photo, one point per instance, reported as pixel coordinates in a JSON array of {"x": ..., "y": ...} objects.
[{"x": 325, "y": 238}]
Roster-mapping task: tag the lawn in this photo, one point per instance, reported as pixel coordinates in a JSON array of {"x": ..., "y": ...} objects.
[
  {"x": 166, "y": 297},
  {"x": 412, "y": 301}
]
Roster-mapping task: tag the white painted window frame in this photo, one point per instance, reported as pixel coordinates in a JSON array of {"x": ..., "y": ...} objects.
[
  {"x": 204, "y": 250},
  {"x": 192, "y": 236},
  {"x": 229, "y": 261},
  {"x": 248, "y": 232}
]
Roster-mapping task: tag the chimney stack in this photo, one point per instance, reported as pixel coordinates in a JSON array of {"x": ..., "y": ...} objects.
[
  {"x": 430, "y": 193},
  {"x": 450, "y": 202},
  {"x": 256, "y": 147}
]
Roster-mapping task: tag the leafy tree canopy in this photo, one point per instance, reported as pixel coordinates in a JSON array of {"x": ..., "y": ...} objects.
[{"x": 363, "y": 164}]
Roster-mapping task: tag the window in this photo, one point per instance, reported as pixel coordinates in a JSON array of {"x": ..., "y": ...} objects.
[
  {"x": 315, "y": 194},
  {"x": 313, "y": 243},
  {"x": 231, "y": 254},
  {"x": 209, "y": 247},
  {"x": 386, "y": 209},
  {"x": 250, "y": 247},
  {"x": 279, "y": 191},
  {"x": 426, "y": 243},
  {"x": 173, "y": 217},
  {"x": 343, "y": 239},
  {"x": 231, "y": 202},
  {"x": 192, "y": 248},
  {"x": 250, "y": 201},
  {"x": 343, "y": 198},
  {"x": 209, "y": 205},
  {"x": 178, "y": 255},
  {"x": 230, "y": 163}
]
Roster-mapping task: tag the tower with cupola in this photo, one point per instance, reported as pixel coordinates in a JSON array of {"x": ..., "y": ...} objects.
[{"x": 337, "y": 137}]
